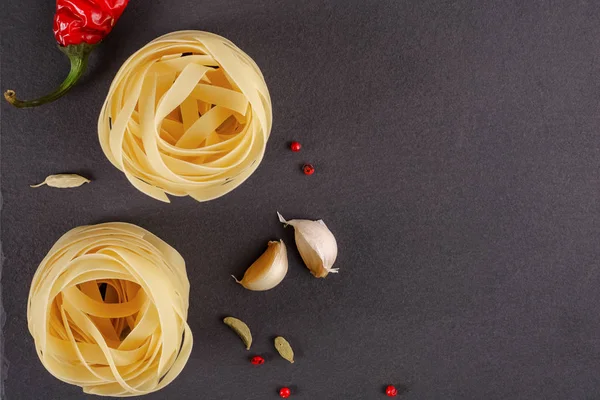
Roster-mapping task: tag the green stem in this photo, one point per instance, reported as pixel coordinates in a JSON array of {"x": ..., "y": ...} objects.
[{"x": 78, "y": 55}]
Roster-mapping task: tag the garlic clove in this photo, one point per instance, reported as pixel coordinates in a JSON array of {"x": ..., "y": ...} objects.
[
  {"x": 63, "y": 181},
  {"x": 316, "y": 244},
  {"x": 268, "y": 270}
]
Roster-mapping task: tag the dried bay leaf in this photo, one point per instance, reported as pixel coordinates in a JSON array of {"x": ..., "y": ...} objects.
[{"x": 63, "y": 181}]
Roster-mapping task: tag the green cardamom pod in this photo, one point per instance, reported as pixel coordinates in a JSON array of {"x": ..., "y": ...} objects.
[
  {"x": 241, "y": 329},
  {"x": 284, "y": 349}
]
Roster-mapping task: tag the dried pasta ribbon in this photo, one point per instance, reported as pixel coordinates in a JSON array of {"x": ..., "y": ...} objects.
[
  {"x": 107, "y": 310},
  {"x": 189, "y": 114}
]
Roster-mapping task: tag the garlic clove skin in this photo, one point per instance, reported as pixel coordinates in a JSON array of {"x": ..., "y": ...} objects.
[
  {"x": 316, "y": 244},
  {"x": 268, "y": 270}
]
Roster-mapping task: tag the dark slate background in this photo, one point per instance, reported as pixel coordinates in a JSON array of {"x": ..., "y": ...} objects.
[{"x": 457, "y": 150}]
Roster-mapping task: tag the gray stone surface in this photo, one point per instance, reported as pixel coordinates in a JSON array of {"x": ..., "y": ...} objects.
[{"x": 457, "y": 150}]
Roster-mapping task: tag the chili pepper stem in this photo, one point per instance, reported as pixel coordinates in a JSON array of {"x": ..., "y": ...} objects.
[{"x": 78, "y": 56}]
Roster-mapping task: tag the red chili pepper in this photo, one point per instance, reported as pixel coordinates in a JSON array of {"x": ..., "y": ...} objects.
[{"x": 78, "y": 26}]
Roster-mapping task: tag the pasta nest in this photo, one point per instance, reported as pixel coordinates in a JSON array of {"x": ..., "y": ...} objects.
[
  {"x": 188, "y": 114},
  {"x": 107, "y": 310}
]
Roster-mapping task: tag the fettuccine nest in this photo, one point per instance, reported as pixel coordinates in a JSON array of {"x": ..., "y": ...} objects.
[
  {"x": 107, "y": 310},
  {"x": 188, "y": 114}
]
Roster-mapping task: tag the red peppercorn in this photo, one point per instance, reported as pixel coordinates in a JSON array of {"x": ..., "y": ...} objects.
[
  {"x": 257, "y": 360},
  {"x": 284, "y": 393},
  {"x": 295, "y": 146},
  {"x": 308, "y": 169},
  {"x": 391, "y": 391}
]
